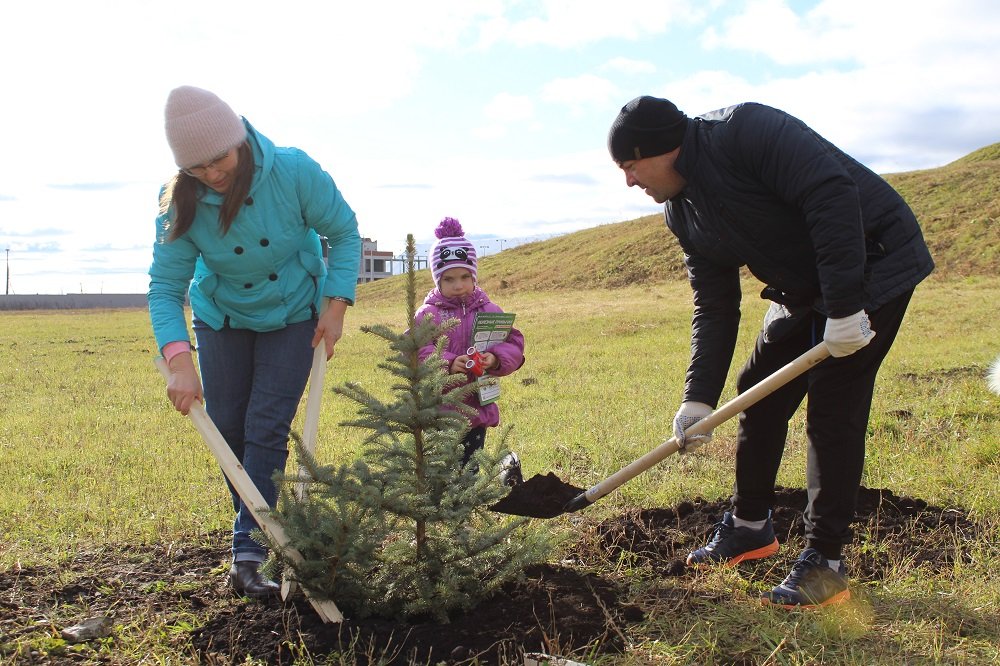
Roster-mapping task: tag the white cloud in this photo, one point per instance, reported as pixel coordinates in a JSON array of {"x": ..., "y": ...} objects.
[
  {"x": 379, "y": 95},
  {"x": 900, "y": 85},
  {"x": 860, "y": 111},
  {"x": 503, "y": 112},
  {"x": 574, "y": 23},
  {"x": 508, "y": 108},
  {"x": 771, "y": 27},
  {"x": 99, "y": 84},
  {"x": 859, "y": 32},
  {"x": 628, "y": 66},
  {"x": 581, "y": 91},
  {"x": 508, "y": 198}
]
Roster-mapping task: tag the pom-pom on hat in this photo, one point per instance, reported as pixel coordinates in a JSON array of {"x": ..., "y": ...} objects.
[
  {"x": 200, "y": 126},
  {"x": 452, "y": 250},
  {"x": 646, "y": 127}
]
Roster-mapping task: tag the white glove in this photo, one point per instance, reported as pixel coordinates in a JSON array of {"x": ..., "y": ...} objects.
[
  {"x": 847, "y": 335},
  {"x": 689, "y": 414}
]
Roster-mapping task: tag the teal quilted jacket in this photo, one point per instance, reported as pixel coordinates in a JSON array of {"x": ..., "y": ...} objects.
[{"x": 268, "y": 270}]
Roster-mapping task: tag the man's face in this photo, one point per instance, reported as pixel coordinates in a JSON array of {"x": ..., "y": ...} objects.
[{"x": 655, "y": 175}]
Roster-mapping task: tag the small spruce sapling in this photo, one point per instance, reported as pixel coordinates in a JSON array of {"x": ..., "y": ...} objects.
[{"x": 406, "y": 531}]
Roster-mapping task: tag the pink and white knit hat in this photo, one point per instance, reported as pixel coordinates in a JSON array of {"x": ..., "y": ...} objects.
[
  {"x": 200, "y": 126},
  {"x": 452, "y": 250}
]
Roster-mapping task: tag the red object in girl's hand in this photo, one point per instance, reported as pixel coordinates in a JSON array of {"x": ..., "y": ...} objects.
[{"x": 475, "y": 363}]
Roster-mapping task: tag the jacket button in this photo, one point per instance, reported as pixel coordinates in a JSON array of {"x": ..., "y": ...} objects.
[
  {"x": 264, "y": 242},
  {"x": 249, "y": 201},
  {"x": 238, "y": 250},
  {"x": 248, "y": 285},
  {"x": 272, "y": 277}
]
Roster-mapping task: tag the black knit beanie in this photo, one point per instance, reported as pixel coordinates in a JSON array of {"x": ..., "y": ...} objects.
[{"x": 646, "y": 127}]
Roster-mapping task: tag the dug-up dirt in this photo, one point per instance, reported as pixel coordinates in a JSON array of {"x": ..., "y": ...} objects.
[{"x": 566, "y": 608}]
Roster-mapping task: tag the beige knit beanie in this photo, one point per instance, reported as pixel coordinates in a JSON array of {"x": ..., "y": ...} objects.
[{"x": 200, "y": 126}]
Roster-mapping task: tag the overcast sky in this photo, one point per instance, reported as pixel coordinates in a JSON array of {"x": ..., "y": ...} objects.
[{"x": 493, "y": 112}]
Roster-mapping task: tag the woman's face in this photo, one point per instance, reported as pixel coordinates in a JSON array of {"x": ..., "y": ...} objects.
[{"x": 219, "y": 172}]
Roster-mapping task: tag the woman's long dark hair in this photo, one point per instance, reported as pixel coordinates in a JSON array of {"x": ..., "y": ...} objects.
[{"x": 183, "y": 191}]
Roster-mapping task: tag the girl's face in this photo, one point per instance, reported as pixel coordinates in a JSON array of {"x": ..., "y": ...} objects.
[
  {"x": 456, "y": 282},
  {"x": 218, "y": 173}
]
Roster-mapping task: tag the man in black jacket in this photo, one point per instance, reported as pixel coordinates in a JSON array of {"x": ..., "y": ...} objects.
[{"x": 839, "y": 253}]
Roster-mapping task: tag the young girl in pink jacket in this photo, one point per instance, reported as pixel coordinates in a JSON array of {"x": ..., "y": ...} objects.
[{"x": 456, "y": 295}]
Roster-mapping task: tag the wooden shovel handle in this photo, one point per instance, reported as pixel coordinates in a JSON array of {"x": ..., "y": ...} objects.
[
  {"x": 762, "y": 389},
  {"x": 310, "y": 429},
  {"x": 247, "y": 490},
  {"x": 315, "y": 398}
]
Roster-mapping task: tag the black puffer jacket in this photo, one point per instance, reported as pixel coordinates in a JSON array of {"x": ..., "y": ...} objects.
[{"x": 816, "y": 226}]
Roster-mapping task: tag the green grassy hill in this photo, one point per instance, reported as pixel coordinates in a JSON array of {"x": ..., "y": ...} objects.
[{"x": 958, "y": 206}]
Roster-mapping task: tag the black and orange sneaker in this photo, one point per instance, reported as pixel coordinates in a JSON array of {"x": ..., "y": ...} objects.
[
  {"x": 731, "y": 545},
  {"x": 811, "y": 583}
]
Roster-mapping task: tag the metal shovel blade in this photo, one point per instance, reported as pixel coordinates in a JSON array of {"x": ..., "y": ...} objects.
[
  {"x": 538, "y": 497},
  {"x": 547, "y": 496}
]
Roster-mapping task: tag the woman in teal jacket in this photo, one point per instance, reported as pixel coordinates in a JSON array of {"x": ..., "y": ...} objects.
[{"x": 239, "y": 232}]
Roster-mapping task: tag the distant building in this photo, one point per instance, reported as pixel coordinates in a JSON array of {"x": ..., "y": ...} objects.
[{"x": 375, "y": 264}]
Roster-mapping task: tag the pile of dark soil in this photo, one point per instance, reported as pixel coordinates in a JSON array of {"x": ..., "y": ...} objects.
[
  {"x": 902, "y": 530},
  {"x": 560, "y": 609},
  {"x": 541, "y": 496}
]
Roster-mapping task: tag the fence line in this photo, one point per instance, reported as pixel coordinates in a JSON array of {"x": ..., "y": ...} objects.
[{"x": 71, "y": 301}]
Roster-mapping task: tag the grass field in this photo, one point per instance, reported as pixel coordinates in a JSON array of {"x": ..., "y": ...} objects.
[
  {"x": 91, "y": 452},
  {"x": 95, "y": 462}
]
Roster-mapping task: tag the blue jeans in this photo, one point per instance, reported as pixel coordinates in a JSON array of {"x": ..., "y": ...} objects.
[{"x": 253, "y": 383}]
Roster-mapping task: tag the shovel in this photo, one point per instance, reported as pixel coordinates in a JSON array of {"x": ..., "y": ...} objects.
[
  {"x": 309, "y": 431},
  {"x": 248, "y": 492},
  {"x": 548, "y": 497}
]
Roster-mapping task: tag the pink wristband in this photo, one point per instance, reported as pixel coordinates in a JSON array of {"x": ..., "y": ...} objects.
[{"x": 174, "y": 348}]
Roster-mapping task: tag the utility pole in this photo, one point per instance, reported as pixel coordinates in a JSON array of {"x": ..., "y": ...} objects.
[{"x": 8, "y": 271}]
